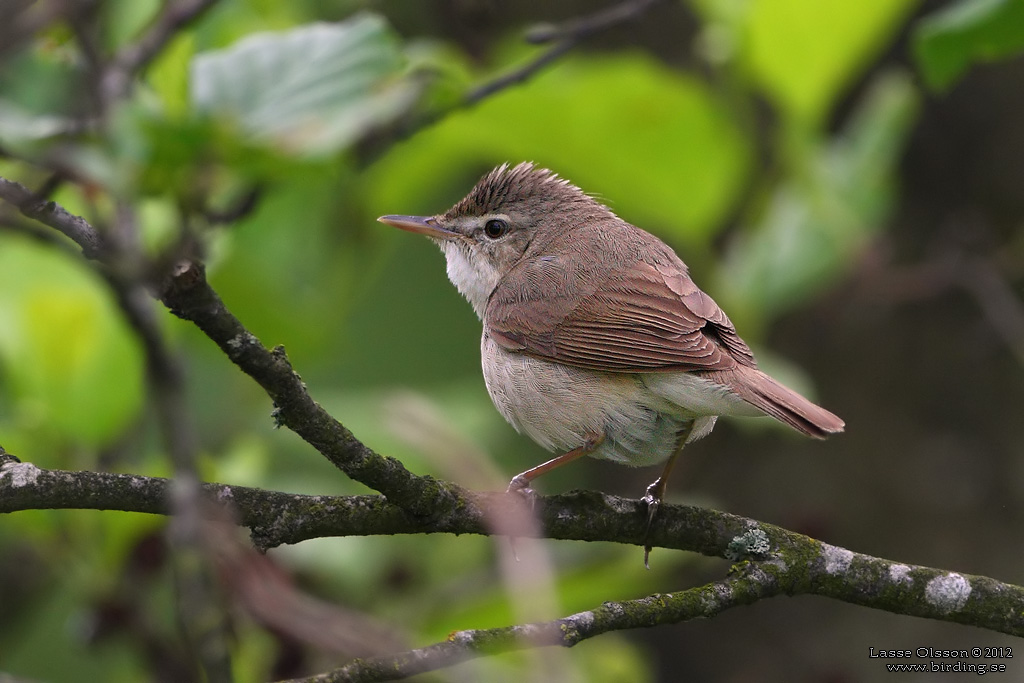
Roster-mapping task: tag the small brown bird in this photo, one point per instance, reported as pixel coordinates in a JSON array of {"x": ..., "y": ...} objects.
[{"x": 595, "y": 339}]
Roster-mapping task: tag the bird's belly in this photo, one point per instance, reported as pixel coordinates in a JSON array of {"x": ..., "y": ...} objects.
[
  {"x": 559, "y": 406},
  {"x": 696, "y": 395}
]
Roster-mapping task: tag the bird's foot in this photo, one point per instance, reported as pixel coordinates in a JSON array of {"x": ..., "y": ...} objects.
[
  {"x": 520, "y": 485},
  {"x": 653, "y": 501}
]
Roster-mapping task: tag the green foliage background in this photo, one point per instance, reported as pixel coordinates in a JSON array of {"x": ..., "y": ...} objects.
[{"x": 763, "y": 139}]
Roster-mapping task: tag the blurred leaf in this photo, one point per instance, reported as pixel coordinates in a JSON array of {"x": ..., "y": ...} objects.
[
  {"x": 46, "y": 79},
  {"x": 51, "y": 643},
  {"x": 73, "y": 366},
  {"x": 948, "y": 41},
  {"x": 168, "y": 75},
  {"x": 123, "y": 20},
  {"x": 804, "y": 53},
  {"x": 812, "y": 230},
  {"x": 18, "y": 126},
  {"x": 654, "y": 144},
  {"x": 314, "y": 89},
  {"x": 286, "y": 264}
]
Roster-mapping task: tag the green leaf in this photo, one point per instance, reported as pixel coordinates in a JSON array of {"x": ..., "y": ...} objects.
[
  {"x": 124, "y": 20},
  {"x": 18, "y": 126},
  {"x": 948, "y": 42},
  {"x": 168, "y": 75},
  {"x": 813, "y": 227},
  {"x": 804, "y": 53},
  {"x": 73, "y": 367},
  {"x": 315, "y": 89},
  {"x": 654, "y": 144}
]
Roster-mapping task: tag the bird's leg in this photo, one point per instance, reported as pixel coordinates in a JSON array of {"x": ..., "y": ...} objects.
[
  {"x": 521, "y": 482},
  {"x": 656, "y": 491}
]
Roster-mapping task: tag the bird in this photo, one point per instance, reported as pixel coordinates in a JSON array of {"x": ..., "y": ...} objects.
[{"x": 596, "y": 341}]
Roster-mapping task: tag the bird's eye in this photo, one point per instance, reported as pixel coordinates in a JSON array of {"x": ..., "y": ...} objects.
[{"x": 495, "y": 228}]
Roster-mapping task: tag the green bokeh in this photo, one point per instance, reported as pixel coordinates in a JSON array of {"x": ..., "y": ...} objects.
[{"x": 72, "y": 365}]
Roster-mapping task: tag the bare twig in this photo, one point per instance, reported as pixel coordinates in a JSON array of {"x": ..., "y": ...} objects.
[
  {"x": 269, "y": 595},
  {"x": 985, "y": 277},
  {"x": 566, "y": 37},
  {"x": 23, "y": 18},
  {"x": 165, "y": 379},
  {"x": 1001, "y": 306},
  {"x": 53, "y": 215},
  {"x": 241, "y": 207},
  {"x": 133, "y": 58},
  {"x": 582, "y": 27},
  {"x": 518, "y": 75}
]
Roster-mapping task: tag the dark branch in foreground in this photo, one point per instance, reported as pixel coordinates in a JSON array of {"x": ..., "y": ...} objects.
[{"x": 781, "y": 562}]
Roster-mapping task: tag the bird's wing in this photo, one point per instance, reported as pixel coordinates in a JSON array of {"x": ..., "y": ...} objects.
[{"x": 640, "y": 318}]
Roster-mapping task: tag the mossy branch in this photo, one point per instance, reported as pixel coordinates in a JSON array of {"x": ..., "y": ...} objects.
[{"x": 772, "y": 560}]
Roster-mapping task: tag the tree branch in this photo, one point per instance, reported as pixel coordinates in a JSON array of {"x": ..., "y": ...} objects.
[
  {"x": 55, "y": 216},
  {"x": 461, "y": 646},
  {"x": 566, "y": 36},
  {"x": 189, "y": 296},
  {"x": 782, "y": 562}
]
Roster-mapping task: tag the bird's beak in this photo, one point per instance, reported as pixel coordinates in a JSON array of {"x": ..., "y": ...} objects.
[{"x": 424, "y": 225}]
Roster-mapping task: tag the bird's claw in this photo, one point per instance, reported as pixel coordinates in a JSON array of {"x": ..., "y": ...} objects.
[
  {"x": 520, "y": 485},
  {"x": 653, "y": 501}
]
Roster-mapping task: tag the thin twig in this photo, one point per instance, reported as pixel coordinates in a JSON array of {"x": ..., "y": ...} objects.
[
  {"x": 568, "y": 35},
  {"x": 53, "y": 215},
  {"x": 518, "y": 75},
  {"x": 240, "y": 208},
  {"x": 582, "y": 27},
  {"x": 985, "y": 277},
  {"x": 999, "y": 303},
  {"x": 134, "y": 57}
]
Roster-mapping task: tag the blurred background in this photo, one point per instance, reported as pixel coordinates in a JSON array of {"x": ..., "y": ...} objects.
[{"x": 844, "y": 178}]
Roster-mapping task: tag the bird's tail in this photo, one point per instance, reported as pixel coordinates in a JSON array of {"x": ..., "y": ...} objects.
[{"x": 782, "y": 403}]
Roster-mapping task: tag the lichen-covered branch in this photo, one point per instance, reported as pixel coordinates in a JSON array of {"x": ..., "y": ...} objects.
[
  {"x": 662, "y": 608},
  {"x": 776, "y": 561},
  {"x": 189, "y": 296}
]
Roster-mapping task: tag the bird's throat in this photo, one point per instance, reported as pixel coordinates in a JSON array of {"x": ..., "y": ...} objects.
[{"x": 472, "y": 275}]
